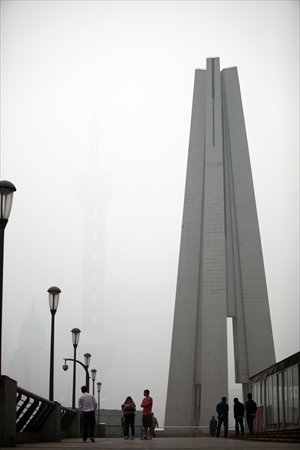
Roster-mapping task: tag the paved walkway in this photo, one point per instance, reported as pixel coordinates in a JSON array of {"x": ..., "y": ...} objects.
[{"x": 205, "y": 443}]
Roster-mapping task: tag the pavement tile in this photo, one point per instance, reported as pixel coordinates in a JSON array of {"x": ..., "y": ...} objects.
[{"x": 201, "y": 443}]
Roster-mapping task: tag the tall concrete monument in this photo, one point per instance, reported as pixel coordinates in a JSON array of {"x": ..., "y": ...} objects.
[{"x": 221, "y": 271}]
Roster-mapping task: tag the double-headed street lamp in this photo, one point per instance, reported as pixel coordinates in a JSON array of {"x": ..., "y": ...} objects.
[
  {"x": 75, "y": 339},
  {"x": 53, "y": 305},
  {"x": 93, "y": 372},
  {"x": 87, "y": 375},
  {"x": 7, "y": 190},
  {"x": 85, "y": 365}
]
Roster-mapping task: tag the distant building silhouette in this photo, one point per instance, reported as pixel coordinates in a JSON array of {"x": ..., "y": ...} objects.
[{"x": 29, "y": 364}]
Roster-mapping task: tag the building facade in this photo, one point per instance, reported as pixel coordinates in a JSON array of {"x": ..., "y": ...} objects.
[
  {"x": 221, "y": 271},
  {"x": 276, "y": 393}
]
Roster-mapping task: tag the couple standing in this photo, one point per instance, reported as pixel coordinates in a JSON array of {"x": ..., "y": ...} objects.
[{"x": 129, "y": 408}]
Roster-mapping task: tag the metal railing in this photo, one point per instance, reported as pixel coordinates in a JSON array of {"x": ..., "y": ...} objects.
[
  {"x": 31, "y": 411},
  {"x": 27, "y": 417},
  {"x": 67, "y": 417}
]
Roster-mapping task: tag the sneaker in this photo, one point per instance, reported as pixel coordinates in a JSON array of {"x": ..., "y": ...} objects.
[
  {"x": 126, "y": 437},
  {"x": 92, "y": 439},
  {"x": 132, "y": 437}
]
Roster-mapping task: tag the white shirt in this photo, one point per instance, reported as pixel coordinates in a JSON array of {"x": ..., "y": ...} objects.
[{"x": 87, "y": 402}]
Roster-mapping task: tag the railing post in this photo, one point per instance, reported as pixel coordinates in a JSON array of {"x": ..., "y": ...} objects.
[
  {"x": 8, "y": 394},
  {"x": 51, "y": 430},
  {"x": 74, "y": 428}
]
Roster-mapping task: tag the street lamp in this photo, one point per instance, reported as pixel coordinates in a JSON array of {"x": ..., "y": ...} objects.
[
  {"x": 53, "y": 305},
  {"x": 93, "y": 372},
  {"x": 99, "y": 390},
  {"x": 87, "y": 359},
  {"x": 75, "y": 339},
  {"x": 7, "y": 190}
]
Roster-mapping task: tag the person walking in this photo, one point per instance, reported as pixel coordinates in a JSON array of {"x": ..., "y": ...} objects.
[
  {"x": 147, "y": 414},
  {"x": 251, "y": 408},
  {"x": 238, "y": 411},
  {"x": 87, "y": 406},
  {"x": 222, "y": 410},
  {"x": 128, "y": 409}
]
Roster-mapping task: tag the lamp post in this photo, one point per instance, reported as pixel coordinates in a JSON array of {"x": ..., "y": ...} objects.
[
  {"x": 53, "y": 305},
  {"x": 93, "y": 372},
  {"x": 7, "y": 190},
  {"x": 87, "y": 359},
  {"x": 75, "y": 339},
  {"x": 99, "y": 390}
]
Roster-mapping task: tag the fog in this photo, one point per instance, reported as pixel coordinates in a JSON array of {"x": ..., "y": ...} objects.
[{"x": 96, "y": 104}]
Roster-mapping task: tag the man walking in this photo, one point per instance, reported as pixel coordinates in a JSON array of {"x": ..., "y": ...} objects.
[{"x": 87, "y": 406}]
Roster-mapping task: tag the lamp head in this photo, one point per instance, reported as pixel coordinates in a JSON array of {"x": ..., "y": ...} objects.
[
  {"x": 65, "y": 366},
  {"x": 7, "y": 190},
  {"x": 53, "y": 298},
  {"x": 75, "y": 336},
  {"x": 87, "y": 359}
]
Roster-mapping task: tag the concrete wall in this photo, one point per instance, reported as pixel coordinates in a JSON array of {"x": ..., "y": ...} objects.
[
  {"x": 110, "y": 420},
  {"x": 8, "y": 392}
]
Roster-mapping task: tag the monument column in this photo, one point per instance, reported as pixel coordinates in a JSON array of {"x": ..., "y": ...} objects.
[{"x": 220, "y": 272}]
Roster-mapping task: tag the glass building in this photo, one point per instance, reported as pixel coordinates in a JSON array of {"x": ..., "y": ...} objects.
[{"x": 276, "y": 392}]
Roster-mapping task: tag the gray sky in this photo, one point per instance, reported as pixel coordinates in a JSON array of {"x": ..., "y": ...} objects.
[{"x": 95, "y": 113}]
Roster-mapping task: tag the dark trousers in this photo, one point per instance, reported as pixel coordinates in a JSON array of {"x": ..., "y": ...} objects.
[
  {"x": 222, "y": 420},
  {"x": 88, "y": 424},
  {"x": 250, "y": 420},
  {"x": 239, "y": 424},
  {"x": 129, "y": 421}
]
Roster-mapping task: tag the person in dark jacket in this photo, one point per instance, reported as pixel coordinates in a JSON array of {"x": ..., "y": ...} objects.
[
  {"x": 251, "y": 408},
  {"x": 222, "y": 410},
  {"x": 239, "y": 412}
]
